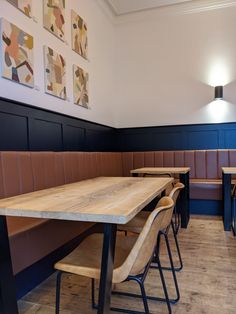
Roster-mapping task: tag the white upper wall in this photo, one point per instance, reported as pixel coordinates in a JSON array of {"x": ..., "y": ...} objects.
[
  {"x": 99, "y": 66},
  {"x": 145, "y": 69},
  {"x": 166, "y": 64}
]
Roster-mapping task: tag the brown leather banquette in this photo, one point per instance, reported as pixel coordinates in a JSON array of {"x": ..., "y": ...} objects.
[
  {"x": 22, "y": 172},
  {"x": 205, "y": 174}
]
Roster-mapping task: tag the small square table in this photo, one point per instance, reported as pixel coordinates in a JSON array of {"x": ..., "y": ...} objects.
[{"x": 183, "y": 173}]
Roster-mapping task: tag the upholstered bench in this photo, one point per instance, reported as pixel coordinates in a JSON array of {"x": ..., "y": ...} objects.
[
  {"x": 22, "y": 172},
  {"x": 205, "y": 174}
]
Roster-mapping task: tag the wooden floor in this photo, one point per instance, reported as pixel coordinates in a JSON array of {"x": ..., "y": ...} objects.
[{"x": 207, "y": 282}]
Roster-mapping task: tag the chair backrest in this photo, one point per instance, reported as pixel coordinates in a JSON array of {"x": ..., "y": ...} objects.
[
  {"x": 143, "y": 248},
  {"x": 174, "y": 194}
]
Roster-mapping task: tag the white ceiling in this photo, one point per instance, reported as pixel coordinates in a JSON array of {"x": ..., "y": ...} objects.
[{"x": 121, "y": 7}]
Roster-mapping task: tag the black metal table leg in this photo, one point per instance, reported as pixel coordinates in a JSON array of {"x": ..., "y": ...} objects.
[
  {"x": 184, "y": 200},
  {"x": 8, "y": 303},
  {"x": 108, "y": 252},
  {"x": 226, "y": 178}
]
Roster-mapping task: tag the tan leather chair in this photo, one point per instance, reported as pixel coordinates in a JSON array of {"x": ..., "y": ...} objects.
[{"x": 133, "y": 255}]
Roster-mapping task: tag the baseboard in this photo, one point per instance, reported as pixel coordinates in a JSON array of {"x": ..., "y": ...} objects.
[{"x": 206, "y": 207}]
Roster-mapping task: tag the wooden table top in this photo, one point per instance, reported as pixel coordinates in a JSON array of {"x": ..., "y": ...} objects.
[
  {"x": 102, "y": 199},
  {"x": 161, "y": 170},
  {"x": 229, "y": 170}
]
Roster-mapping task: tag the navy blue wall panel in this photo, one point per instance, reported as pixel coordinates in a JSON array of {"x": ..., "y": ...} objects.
[
  {"x": 23, "y": 127},
  {"x": 46, "y": 134},
  {"x": 74, "y": 138},
  {"x": 203, "y": 139},
  {"x": 230, "y": 138},
  {"x": 181, "y": 137},
  {"x": 13, "y": 131}
]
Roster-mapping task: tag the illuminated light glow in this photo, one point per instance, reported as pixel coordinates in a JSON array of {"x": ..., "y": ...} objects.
[
  {"x": 218, "y": 74},
  {"x": 217, "y": 110}
]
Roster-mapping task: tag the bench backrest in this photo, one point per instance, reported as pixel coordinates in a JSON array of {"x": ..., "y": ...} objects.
[
  {"x": 22, "y": 172},
  {"x": 204, "y": 164}
]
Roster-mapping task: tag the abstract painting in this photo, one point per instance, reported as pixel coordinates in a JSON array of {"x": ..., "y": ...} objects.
[
  {"x": 55, "y": 70},
  {"x": 24, "y": 5},
  {"x": 54, "y": 17},
  {"x": 80, "y": 87},
  {"x": 79, "y": 35},
  {"x": 17, "y": 54}
]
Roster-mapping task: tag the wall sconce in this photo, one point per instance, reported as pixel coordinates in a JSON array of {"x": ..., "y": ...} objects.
[{"x": 218, "y": 92}]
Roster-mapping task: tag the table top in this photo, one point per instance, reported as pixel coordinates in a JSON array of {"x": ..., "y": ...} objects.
[
  {"x": 161, "y": 170},
  {"x": 229, "y": 170},
  {"x": 102, "y": 199}
]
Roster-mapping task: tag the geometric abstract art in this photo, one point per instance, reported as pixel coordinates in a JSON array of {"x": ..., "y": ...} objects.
[
  {"x": 55, "y": 73},
  {"x": 79, "y": 35},
  {"x": 17, "y": 54},
  {"x": 54, "y": 17},
  {"x": 24, "y": 5},
  {"x": 80, "y": 78}
]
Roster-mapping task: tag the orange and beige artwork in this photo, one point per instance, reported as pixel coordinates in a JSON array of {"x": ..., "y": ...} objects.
[
  {"x": 79, "y": 35},
  {"x": 17, "y": 54},
  {"x": 24, "y": 5},
  {"x": 55, "y": 72},
  {"x": 54, "y": 17},
  {"x": 80, "y": 78}
]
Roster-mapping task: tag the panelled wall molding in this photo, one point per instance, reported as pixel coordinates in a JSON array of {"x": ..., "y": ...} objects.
[
  {"x": 23, "y": 127},
  {"x": 179, "y": 137}
]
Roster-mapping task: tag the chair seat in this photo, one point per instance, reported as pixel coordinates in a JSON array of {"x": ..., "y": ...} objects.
[{"x": 85, "y": 260}]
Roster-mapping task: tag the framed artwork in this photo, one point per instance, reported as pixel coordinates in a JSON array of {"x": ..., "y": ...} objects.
[
  {"x": 54, "y": 17},
  {"x": 55, "y": 73},
  {"x": 80, "y": 78},
  {"x": 24, "y": 5},
  {"x": 17, "y": 54},
  {"x": 79, "y": 35}
]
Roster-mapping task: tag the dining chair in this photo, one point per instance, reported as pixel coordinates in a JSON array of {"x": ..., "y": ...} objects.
[
  {"x": 133, "y": 256},
  {"x": 136, "y": 225}
]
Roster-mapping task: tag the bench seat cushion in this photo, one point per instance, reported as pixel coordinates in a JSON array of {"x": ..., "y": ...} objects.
[
  {"x": 206, "y": 189},
  {"x": 31, "y": 239}
]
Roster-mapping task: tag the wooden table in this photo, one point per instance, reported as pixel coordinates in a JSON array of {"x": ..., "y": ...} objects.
[
  {"x": 227, "y": 173},
  {"x": 183, "y": 173},
  {"x": 108, "y": 200}
]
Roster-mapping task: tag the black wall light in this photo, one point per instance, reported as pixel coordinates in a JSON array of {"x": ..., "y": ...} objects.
[{"x": 219, "y": 92}]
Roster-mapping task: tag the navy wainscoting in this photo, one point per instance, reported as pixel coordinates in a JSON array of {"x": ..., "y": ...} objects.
[
  {"x": 179, "y": 137},
  {"x": 23, "y": 127}
]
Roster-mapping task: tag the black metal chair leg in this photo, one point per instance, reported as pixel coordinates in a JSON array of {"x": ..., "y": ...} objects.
[
  {"x": 144, "y": 296},
  {"x": 58, "y": 290},
  {"x": 163, "y": 284},
  {"x": 178, "y": 249},
  {"x": 172, "y": 269},
  {"x": 178, "y": 253}
]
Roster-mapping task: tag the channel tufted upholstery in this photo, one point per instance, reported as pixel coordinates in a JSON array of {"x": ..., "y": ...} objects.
[
  {"x": 22, "y": 172},
  {"x": 205, "y": 174}
]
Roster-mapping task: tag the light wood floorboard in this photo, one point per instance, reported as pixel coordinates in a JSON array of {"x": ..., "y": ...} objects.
[{"x": 207, "y": 282}]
